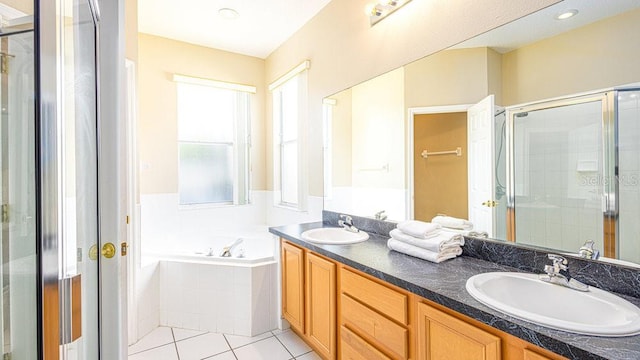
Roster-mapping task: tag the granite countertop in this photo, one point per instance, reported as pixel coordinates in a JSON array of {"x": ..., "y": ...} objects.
[{"x": 444, "y": 284}]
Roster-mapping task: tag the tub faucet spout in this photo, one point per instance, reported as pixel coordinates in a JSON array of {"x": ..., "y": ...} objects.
[{"x": 226, "y": 251}]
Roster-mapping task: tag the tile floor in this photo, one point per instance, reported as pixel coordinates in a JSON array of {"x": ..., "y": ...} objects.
[{"x": 165, "y": 343}]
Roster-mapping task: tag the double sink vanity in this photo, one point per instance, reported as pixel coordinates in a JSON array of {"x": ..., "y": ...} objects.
[{"x": 350, "y": 297}]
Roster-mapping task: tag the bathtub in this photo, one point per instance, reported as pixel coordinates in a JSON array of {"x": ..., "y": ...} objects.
[{"x": 231, "y": 295}]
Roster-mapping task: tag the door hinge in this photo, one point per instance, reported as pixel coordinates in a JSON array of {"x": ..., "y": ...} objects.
[{"x": 5, "y": 213}]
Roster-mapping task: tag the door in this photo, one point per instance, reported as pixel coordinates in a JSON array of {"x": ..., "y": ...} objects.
[
  {"x": 443, "y": 337},
  {"x": 68, "y": 180},
  {"x": 320, "y": 296},
  {"x": 480, "y": 124},
  {"x": 293, "y": 285}
]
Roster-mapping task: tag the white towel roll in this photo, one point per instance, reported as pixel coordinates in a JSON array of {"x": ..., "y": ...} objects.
[
  {"x": 436, "y": 257},
  {"x": 453, "y": 223},
  {"x": 419, "y": 229},
  {"x": 437, "y": 243}
]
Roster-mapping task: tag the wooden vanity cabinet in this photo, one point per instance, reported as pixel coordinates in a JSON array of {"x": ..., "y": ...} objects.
[
  {"x": 443, "y": 334},
  {"x": 444, "y": 337},
  {"x": 374, "y": 318},
  {"x": 309, "y": 297},
  {"x": 320, "y": 300},
  {"x": 345, "y": 314},
  {"x": 293, "y": 285}
]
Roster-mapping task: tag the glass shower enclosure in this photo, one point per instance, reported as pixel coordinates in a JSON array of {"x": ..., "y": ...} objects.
[
  {"x": 18, "y": 273},
  {"x": 572, "y": 170}
]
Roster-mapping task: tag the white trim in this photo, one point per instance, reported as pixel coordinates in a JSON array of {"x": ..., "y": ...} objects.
[
  {"x": 411, "y": 113},
  {"x": 214, "y": 83},
  {"x": 305, "y": 65},
  {"x": 133, "y": 258}
]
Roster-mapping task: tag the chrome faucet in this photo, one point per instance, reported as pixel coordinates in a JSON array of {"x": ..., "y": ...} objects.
[
  {"x": 587, "y": 250},
  {"x": 558, "y": 273},
  {"x": 346, "y": 222},
  {"x": 380, "y": 215}
]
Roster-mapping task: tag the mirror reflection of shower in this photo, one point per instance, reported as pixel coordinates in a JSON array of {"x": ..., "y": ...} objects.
[
  {"x": 499, "y": 170},
  {"x": 500, "y": 173}
]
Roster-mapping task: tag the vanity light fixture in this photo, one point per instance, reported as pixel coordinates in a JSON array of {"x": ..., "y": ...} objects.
[
  {"x": 383, "y": 8},
  {"x": 228, "y": 13},
  {"x": 567, "y": 14}
]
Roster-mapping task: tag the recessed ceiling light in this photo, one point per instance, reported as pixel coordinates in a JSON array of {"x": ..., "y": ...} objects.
[
  {"x": 228, "y": 13},
  {"x": 566, "y": 14}
]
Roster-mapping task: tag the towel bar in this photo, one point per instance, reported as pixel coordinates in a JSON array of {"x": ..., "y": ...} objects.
[{"x": 458, "y": 152}]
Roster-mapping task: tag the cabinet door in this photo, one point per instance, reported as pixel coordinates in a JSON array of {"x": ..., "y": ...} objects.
[
  {"x": 321, "y": 304},
  {"x": 293, "y": 285},
  {"x": 444, "y": 337},
  {"x": 531, "y": 355}
]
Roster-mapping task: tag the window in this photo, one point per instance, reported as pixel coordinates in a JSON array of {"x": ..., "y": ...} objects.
[
  {"x": 289, "y": 106},
  {"x": 213, "y": 142}
]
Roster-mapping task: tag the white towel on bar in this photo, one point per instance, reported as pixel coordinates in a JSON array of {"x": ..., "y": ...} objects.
[
  {"x": 453, "y": 223},
  {"x": 443, "y": 240},
  {"x": 436, "y": 257},
  {"x": 419, "y": 229}
]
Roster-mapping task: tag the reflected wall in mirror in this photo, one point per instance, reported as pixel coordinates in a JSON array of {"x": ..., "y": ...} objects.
[{"x": 376, "y": 132}]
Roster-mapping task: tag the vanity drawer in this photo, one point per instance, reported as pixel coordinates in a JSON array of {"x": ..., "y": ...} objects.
[
  {"x": 371, "y": 324},
  {"x": 384, "y": 299},
  {"x": 353, "y": 347}
]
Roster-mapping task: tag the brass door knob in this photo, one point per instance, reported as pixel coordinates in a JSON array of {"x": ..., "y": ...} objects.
[{"x": 108, "y": 250}]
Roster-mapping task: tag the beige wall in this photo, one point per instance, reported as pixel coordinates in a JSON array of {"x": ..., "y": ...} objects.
[
  {"x": 451, "y": 77},
  {"x": 345, "y": 50},
  {"x": 378, "y": 132},
  {"x": 442, "y": 179},
  {"x": 158, "y": 60},
  {"x": 26, "y": 6},
  {"x": 607, "y": 55},
  {"x": 341, "y": 128},
  {"x": 131, "y": 29}
]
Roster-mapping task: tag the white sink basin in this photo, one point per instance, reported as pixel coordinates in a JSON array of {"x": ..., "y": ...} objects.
[
  {"x": 334, "y": 236},
  {"x": 594, "y": 312}
]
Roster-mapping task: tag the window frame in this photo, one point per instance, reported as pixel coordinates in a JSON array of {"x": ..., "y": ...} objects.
[
  {"x": 240, "y": 144},
  {"x": 299, "y": 74}
]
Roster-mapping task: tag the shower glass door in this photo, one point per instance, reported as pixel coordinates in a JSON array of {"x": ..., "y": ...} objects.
[
  {"x": 559, "y": 190},
  {"x": 18, "y": 273},
  {"x": 80, "y": 254}
]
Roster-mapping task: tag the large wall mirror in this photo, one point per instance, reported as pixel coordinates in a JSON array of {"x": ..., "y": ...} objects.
[{"x": 530, "y": 131}]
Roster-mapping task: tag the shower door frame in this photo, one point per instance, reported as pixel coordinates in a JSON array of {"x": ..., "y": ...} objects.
[{"x": 609, "y": 160}]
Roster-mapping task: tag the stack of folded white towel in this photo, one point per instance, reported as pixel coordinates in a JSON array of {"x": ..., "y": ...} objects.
[
  {"x": 428, "y": 241},
  {"x": 449, "y": 222}
]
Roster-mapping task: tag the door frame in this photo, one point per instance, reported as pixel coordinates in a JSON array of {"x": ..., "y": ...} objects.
[{"x": 411, "y": 113}]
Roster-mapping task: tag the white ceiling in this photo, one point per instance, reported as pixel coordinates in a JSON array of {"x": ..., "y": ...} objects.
[
  {"x": 542, "y": 24},
  {"x": 262, "y": 26}
]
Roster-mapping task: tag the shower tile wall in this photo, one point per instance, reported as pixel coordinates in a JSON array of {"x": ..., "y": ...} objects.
[
  {"x": 629, "y": 175},
  {"x": 558, "y": 181}
]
